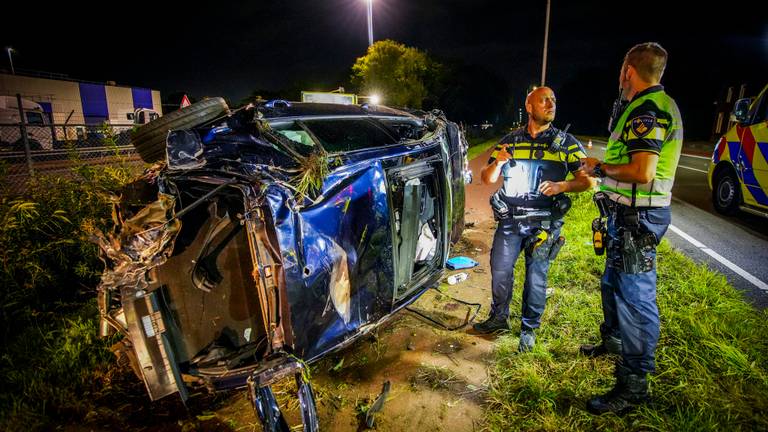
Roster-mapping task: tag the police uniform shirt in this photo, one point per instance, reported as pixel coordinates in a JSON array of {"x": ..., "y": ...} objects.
[{"x": 533, "y": 161}]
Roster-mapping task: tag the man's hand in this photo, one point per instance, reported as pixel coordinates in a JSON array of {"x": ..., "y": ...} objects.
[
  {"x": 503, "y": 155},
  {"x": 549, "y": 188},
  {"x": 588, "y": 166},
  {"x": 640, "y": 169}
]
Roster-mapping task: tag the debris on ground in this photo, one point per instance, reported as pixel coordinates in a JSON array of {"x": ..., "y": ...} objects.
[{"x": 378, "y": 404}]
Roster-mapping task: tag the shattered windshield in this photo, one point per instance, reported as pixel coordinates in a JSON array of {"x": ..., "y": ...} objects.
[
  {"x": 340, "y": 135},
  {"x": 296, "y": 133},
  {"x": 344, "y": 135}
]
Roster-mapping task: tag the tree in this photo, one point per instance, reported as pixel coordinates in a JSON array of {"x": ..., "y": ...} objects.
[{"x": 395, "y": 72}]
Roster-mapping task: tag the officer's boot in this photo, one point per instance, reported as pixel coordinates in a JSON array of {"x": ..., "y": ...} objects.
[
  {"x": 630, "y": 391},
  {"x": 491, "y": 325},
  {"x": 609, "y": 345},
  {"x": 527, "y": 341}
]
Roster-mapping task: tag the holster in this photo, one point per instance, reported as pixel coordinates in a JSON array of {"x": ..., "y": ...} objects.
[
  {"x": 634, "y": 247},
  {"x": 634, "y": 242},
  {"x": 556, "y": 246},
  {"x": 546, "y": 249},
  {"x": 501, "y": 210},
  {"x": 599, "y": 226}
]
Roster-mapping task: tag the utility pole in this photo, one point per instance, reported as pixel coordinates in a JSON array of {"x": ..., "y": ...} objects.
[
  {"x": 546, "y": 41},
  {"x": 370, "y": 21}
]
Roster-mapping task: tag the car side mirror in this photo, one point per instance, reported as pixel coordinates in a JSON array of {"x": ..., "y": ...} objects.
[{"x": 740, "y": 112}]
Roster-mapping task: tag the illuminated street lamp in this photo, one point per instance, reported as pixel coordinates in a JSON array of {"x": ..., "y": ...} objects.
[
  {"x": 10, "y": 59},
  {"x": 370, "y": 21}
]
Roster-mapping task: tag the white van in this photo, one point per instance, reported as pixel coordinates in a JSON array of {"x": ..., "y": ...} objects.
[{"x": 36, "y": 120}]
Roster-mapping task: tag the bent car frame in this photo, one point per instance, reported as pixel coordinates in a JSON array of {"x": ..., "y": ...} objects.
[{"x": 272, "y": 236}]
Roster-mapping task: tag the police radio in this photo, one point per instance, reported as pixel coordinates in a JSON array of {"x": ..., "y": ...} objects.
[
  {"x": 618, "y": 109},
  {"x": 558, "y": 143}
]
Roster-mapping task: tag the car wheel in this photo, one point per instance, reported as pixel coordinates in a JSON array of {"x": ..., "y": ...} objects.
[
  {"x": 149, "y": 139},
  {"x": 726, "y": 194}
]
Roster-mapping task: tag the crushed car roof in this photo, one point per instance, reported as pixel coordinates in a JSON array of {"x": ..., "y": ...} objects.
[{"x": 281, "y": 108}]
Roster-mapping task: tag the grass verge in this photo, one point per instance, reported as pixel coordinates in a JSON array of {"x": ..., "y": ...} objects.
[
  {"x": 711, "y": 358},
  {"x": 479, "y": 147}
]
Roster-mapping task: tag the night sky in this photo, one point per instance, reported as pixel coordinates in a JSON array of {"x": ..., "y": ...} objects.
[{"x": 231, "y": 49}]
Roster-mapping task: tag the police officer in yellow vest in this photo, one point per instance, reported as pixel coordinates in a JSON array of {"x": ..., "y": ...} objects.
[
  {"x": 534, "y": 162},
  {"x": 637, "y": 176}
]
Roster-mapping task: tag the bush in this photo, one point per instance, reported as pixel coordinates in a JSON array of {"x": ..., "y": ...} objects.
[{"x": 48, "y": 273}]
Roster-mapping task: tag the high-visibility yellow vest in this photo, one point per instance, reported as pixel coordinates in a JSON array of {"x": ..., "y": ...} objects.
[{"x": 652, "y": 115}]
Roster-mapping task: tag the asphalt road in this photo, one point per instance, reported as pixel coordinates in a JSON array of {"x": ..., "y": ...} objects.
[{"x": 735, "y": 246}]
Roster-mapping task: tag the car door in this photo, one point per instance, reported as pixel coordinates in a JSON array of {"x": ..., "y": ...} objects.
[
  {"x": 753, "y": 150},
  {"x": 459, "y": 176}
]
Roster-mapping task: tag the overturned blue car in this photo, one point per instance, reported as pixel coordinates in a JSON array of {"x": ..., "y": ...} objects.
[{"x": 272, "y": 235}]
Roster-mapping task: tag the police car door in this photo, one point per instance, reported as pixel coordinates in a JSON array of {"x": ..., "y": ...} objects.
[{"x": 753, "y": 152}]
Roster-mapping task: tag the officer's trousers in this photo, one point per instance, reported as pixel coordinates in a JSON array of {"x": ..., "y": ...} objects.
[
  {"x": 629, "y": 300},
  {"x": 508, "y": 242}
]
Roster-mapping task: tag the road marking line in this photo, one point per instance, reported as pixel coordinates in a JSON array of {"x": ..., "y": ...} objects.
[
  {"x": 724, "y": 261},
  {"x": 694, "y": 169}
]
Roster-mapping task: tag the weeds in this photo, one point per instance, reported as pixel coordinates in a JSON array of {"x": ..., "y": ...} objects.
[
  {"x": 50, "y": 356},
  {"x": 434, "y": 377},
  {"x": 313, "y": 171}
]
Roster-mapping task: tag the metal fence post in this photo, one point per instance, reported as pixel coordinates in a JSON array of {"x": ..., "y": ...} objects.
[
  {"x": 53, "y": 133},
  {"x": 23, "y": 130}
]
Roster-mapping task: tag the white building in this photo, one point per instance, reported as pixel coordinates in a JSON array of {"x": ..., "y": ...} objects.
[{"x": 78, "y": 102}]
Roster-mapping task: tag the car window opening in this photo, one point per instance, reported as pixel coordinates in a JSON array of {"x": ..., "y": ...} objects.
[{"x": 417, "y": 226}]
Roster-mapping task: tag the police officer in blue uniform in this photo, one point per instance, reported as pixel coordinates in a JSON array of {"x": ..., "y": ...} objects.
[
  {"x": 534, "y": 162},
  {"x": 637, "y": 174}
]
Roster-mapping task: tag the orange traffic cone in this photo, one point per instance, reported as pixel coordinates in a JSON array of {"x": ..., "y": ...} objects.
[{"x": 589, "y": 144}]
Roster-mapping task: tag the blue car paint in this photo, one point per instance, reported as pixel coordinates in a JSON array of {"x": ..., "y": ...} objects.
[
  {"x": 347, "y": 226},
  {"x": 354, "y": 192}
]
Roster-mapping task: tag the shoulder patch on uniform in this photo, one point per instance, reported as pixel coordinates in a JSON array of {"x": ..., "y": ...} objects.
[{"x": 642, "y": 125}]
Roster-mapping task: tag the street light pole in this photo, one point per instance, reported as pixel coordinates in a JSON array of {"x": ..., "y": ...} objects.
[
  {"x": 370, "y": 21},
  {"x": 10, "y": 59},
  {"x": 546, "y": 41}
]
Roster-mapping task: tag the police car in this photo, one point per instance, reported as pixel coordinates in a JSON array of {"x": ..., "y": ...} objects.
[{"x": 738, "y": 172}]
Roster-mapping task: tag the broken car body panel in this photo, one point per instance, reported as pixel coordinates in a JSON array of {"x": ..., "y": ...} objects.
[{"x": 224, "y": 267}]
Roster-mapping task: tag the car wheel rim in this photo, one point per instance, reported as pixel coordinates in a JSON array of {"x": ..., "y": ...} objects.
[{"x": 725, "y": 192}]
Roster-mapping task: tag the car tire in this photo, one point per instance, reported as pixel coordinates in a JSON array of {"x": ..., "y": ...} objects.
[
  {"x": 726, "y": 193},
  {"x": 149, "y": 139}
]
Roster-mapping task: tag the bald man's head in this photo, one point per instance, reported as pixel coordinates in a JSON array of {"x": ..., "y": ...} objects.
[{"x": 540, "y": 104}]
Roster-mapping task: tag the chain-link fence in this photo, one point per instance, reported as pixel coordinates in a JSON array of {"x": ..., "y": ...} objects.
[{"x": 27, "y": 150}]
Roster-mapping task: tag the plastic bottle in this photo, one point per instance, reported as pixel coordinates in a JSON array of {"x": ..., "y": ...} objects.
[{"x": 458, "y": 277}]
